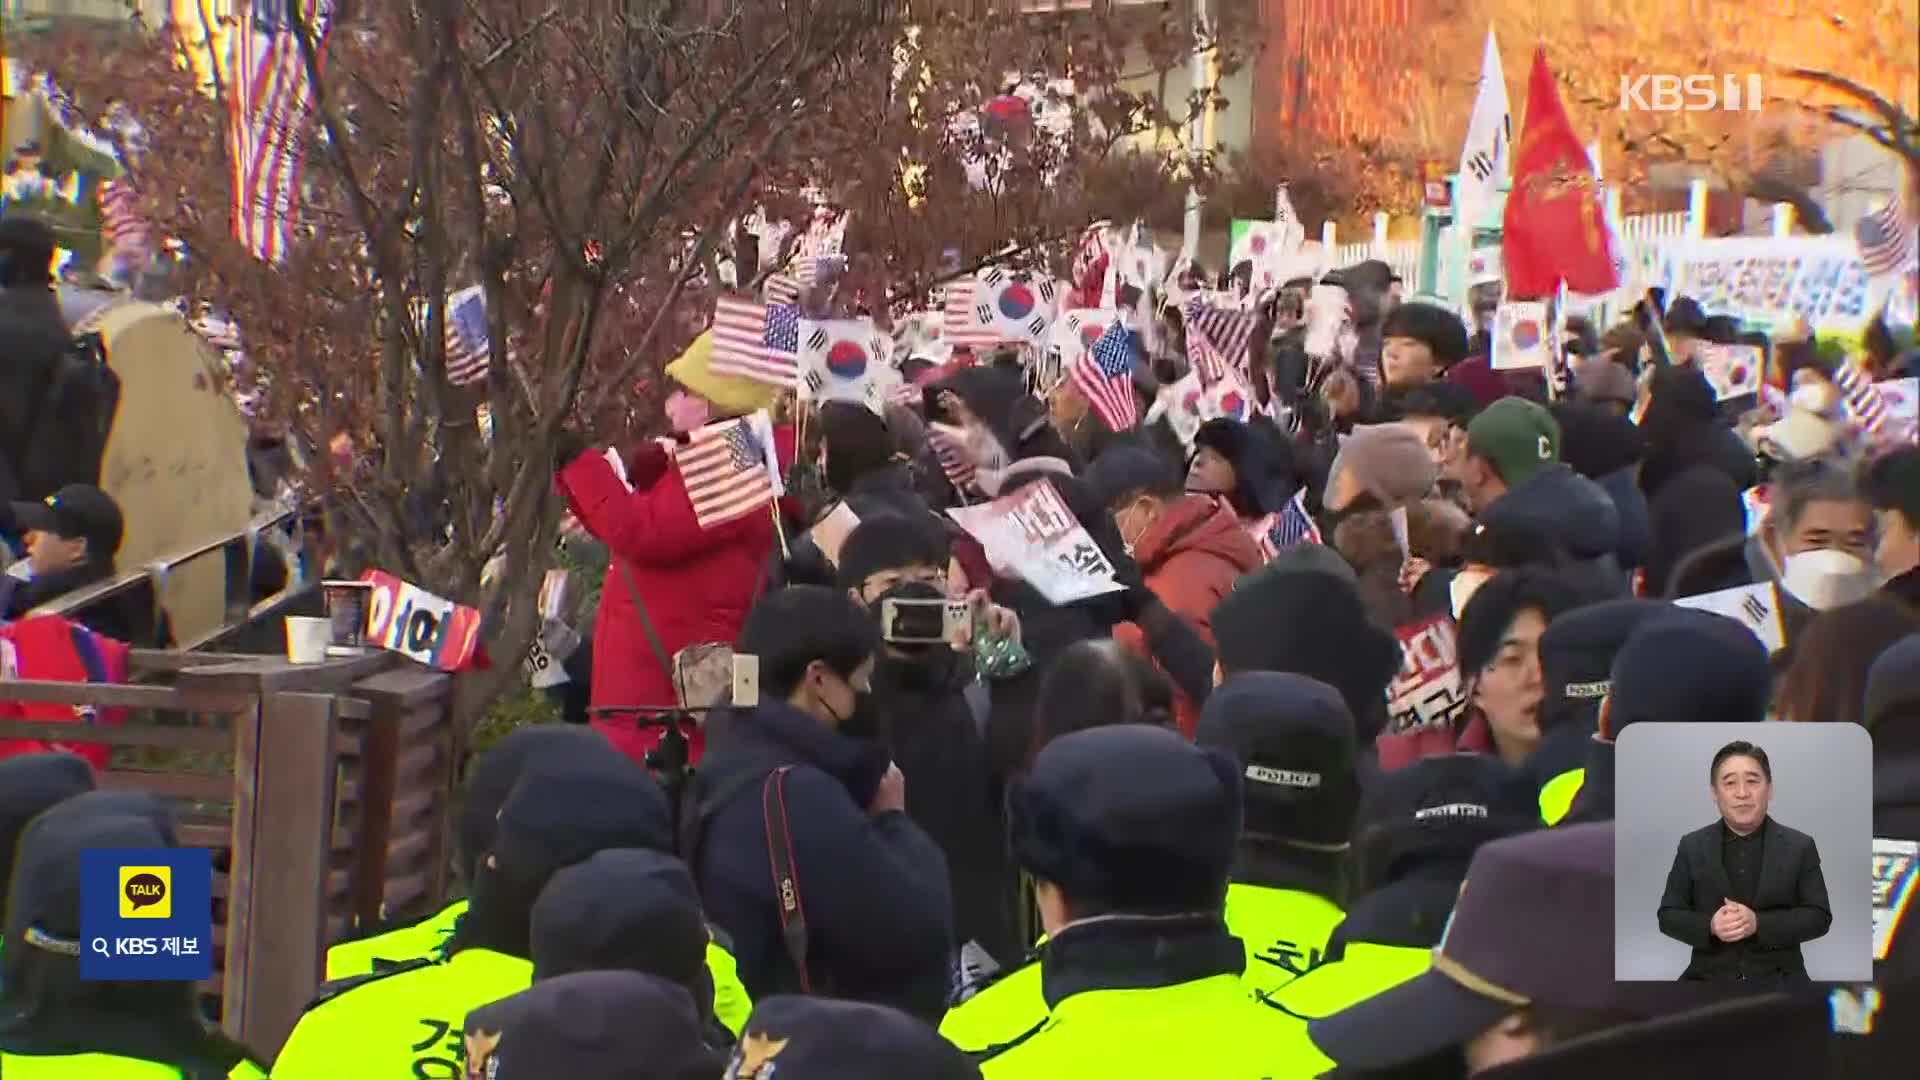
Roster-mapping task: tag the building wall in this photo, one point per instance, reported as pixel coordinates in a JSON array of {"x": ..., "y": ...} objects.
[{"x": 1329, "y": 69}]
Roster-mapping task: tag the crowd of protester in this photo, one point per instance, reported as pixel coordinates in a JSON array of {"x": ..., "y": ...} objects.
[{"x": 1174, "y": 830}]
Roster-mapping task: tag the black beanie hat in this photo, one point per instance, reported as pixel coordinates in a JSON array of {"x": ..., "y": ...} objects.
[
  {"x": 563, "y": 811},
  {"x": 1686, "y": 665},
  {"x": 1440, "y": 330},
  {"x": 1438, "y": 807},
  {"x": 791, "y": 1037},
  {"x": 1294, "y": 739},
  {"x": 624, "y": 909},
  {"x": 494, "y": 773},
  {"x": 1309, "y": 622},
  {"x": 1128, "y": 819},
  {"x": 1576, "y": 659},
  {"x": 891, "y": 541}
]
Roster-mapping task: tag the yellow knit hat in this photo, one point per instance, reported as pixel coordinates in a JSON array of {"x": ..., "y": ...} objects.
[{"x": 730, "y": 394}]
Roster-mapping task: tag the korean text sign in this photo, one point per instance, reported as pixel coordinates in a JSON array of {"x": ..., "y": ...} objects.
[{"x": 146, "y": 913}]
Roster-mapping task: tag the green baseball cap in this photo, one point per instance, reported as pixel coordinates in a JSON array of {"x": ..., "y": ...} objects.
[{"x": 1517, "y": 436}]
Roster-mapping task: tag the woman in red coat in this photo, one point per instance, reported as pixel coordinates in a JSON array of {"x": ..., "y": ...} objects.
[{"x": 695, "y": 584}]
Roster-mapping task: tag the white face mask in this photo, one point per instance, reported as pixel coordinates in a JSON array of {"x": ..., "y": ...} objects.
[
  {"x": 1814, "y": 397},
  {"x": 1825, "y": 578}
]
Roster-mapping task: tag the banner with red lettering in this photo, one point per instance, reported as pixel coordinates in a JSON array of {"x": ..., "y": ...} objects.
[{"x": 1427, "y": 693}]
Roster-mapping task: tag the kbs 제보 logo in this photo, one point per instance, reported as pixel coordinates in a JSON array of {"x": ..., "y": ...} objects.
[{"x": 146, "y": 892}]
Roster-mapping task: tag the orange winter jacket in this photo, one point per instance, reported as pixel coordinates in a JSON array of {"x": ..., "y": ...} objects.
[{"x": 1190, "y": 558}]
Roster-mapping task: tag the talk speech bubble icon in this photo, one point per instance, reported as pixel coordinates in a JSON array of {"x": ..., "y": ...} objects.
[{"x": 143, "y": 891}]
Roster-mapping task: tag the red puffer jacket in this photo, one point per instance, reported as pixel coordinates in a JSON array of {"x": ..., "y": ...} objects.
[
  {"x": 48, "y": 648},
  {"x": 696, "y": 584}
]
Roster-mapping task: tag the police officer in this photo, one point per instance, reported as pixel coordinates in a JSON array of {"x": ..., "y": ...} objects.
[
  {"x": 1678, "y": 666},
  {"x": 632, "y": 910},
  {"x": 406, "y": 1023},
  {"x": 591, "y": 1025},
  {"x": 1293, "y": 738},
  {"x": 1129, "y": 833},
  {"x": 1576, "y": 664},
  {"x": 1419, "y": 827},
  {"x": 488, "y": 782},
  {"x": 815, "y": 1038},
  {"x": 29, "y": 784},
  {"x": 54, "y": 1025},
  {"x": 1776, "y": 1034}
]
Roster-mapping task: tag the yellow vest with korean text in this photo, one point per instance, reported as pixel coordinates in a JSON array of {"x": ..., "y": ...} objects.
[
  {"x": 401, "y": 1025},
  {"x": 422, "y": 941}
]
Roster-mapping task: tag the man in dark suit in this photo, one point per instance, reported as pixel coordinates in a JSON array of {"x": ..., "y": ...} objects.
[{"x": 1746, "y": 891}]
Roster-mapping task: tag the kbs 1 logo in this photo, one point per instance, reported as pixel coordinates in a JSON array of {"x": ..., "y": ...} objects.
[{"x": 1691, "y": 93}]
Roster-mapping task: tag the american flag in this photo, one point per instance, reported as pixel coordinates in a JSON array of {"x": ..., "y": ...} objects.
[
  {"x": 1290, "y": 527},
  {"x": 268, "y": 104},
  {"x": 1887, "y": 240},
  {"x": 466, "y": 336},
  {"x": 950, "y": 451},
  {"x": 757, "y": 341},
  {"x": 1861, "y": 398},
  {"x": 786, "y": 288},
  {"x": 1104, "y": 373},
  {"x": 1228, "y": 332},
  {"x": 960, "y": 327},
  {"x": 127, "y": 233},
  {"x": 1206, "y": 360},
  {"x": 725, "y": 469}
]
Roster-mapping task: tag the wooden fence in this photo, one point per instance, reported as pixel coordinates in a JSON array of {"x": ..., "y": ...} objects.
[{"x": 323, "y": 790}]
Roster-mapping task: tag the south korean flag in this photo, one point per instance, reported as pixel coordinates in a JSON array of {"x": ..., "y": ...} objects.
[
  {"x": 845, "y": 360},
  {"x": 1017, "y": 307}
]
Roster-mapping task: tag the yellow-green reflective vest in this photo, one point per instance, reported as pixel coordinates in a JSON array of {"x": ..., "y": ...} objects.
[
  {"x": 415, "y": 942},
  {"x": 420, "y": 941},
  {"x": 403, "y": 1025},
  {"x": 1557, "y": 795},
  {"x": 1285, "y": 932},
  {"x": 1363, "y": 970},
  {"x": 999, "y": 1014},
  {"x": 1207, "y": 1029},
  {"x": 103, "y": 1067}
]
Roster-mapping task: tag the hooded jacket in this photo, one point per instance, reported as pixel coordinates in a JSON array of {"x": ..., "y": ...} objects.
[
  {"x": 1191, "y": 556},
  {"x": 1573, "y": 512},
  {"x": 1695, "y": 509},
  {"x": 1606, "y": 449},
  {"x": 873, "y": 888},
  {"x": 47, "y": 1009},
  {"x": 696, "y": 584}
]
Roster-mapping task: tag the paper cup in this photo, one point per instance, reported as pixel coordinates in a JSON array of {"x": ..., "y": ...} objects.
[
  {"x": 347, "y": 603},
  {"x": 308, "y": 638}
]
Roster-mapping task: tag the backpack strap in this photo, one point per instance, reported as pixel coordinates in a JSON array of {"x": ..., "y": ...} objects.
[
  {"x": 89, "y": 653},
  {"x": 786, "y": 880},
  {"x": 705, "y": 806}
]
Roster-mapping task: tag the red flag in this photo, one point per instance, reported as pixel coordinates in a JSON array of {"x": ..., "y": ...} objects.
[{"x": 1554, "y": 228}]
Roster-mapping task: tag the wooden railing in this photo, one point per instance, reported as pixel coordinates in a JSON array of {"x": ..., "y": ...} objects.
[{"x": 323, "y": 790}]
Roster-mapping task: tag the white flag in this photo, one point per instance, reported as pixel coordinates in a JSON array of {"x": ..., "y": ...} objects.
[
  {"x": 1486, "y": 156},
  {"x": 1293, "y": 234}
]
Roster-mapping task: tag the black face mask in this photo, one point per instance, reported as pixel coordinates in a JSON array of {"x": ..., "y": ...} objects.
[
  {"x": 1331, "y": 519},
  {"x": 864, "y": 721}
]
